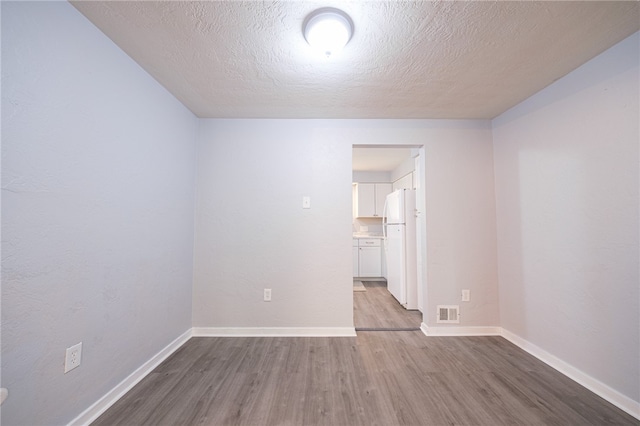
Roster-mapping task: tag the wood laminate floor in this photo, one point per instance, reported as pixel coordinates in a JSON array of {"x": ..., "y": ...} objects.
[
  {"x": 377, "y": 378},
  {"x": 376, "y": 308}
]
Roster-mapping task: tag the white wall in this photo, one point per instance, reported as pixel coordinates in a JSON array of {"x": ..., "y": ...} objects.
[
  {"x": 251, "y": 231},
  {"x": 567, "y": 208},
  {"x": 461, "y": 222},
  {"x": 97, "y": 213}
]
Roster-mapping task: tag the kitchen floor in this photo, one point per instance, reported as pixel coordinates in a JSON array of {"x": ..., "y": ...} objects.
[{"x": 377, "y": 309}]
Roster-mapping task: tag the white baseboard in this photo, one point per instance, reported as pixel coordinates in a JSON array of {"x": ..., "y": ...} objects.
[
  {"x": 460, "y": 331},
  {"x": 274, "y": 332},
  {"x": 100, "y": 406},
  {"x": 614, "y": 397},
  {"x": 621, "y": 401}
]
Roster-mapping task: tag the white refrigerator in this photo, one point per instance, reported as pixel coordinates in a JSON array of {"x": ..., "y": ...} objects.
[{"x": 399, "y": 228}]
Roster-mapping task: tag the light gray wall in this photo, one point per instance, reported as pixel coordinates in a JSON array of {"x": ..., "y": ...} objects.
[
  {"x": 461, "y": 222},
  {"x": 97, "y": 213},
  {"x": 252, "y": 233},
  {"x": 567, "y": 207}
]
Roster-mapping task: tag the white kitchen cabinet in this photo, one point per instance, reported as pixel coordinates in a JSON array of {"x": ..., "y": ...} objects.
[
  {"x": 365, "y": 202},
  {"x": 369, "y": 262},
  {"x": 367, "y": 258},
  {"x": 370, "y": 198}
]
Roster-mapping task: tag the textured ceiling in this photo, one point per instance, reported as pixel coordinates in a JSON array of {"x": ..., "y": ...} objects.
[{"x": 407, "y": 59}]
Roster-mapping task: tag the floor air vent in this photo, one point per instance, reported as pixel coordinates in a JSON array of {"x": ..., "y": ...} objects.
[{"x": 448, "y": 314}]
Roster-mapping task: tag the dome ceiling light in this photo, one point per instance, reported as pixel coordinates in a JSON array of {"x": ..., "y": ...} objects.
[{"x": 328, "y": 30}]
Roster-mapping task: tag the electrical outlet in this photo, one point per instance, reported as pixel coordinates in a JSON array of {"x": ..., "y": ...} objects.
[
  {"x": 267, "y": 295},
  {"x": 466, "y": 295},
  {"x": 73, "y": 357}
]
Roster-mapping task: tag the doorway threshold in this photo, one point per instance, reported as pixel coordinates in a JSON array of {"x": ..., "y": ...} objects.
[{"x": 387, "y": 329}]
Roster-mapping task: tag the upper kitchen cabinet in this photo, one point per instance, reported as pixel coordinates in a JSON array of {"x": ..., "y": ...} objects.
[{"x": 370, "y": 197}]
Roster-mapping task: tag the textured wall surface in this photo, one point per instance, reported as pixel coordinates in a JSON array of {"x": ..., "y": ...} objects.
[
  {"x": 251, "y": 231},
  {"x": 567, "y": 206},
  {"x": 97, "y": 213}
]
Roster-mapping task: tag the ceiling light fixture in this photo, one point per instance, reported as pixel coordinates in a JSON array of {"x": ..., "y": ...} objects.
[{"x": 328, "y": 30}]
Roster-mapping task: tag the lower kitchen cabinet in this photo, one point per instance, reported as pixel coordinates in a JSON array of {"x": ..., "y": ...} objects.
[
  {"x": 369, "y": 262},
  {"x": 367, "y": 258}
]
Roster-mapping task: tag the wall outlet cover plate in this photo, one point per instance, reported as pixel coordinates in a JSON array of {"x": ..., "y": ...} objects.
[{"x": 73, "y": 357}]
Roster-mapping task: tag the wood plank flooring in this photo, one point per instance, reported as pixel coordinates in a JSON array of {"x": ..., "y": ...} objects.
[
  {"x": 377, "y": 378},
  {"x": 377, "y": 308}
]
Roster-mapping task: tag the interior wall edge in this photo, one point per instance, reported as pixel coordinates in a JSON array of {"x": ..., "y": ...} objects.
[{"x": 616, "y": 398}]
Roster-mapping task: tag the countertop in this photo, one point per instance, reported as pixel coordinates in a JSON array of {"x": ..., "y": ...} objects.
[{"x": 368, "y": 236}]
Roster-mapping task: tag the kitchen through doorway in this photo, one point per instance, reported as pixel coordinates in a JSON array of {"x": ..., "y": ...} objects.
[{"x": 389, "y": 239}]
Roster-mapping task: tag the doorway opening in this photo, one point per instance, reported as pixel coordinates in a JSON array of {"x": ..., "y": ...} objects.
[{"x": 388, "y": 269}]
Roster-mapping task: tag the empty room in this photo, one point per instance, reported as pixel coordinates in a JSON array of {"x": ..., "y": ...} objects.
[{"x": 182, "y": 182}]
